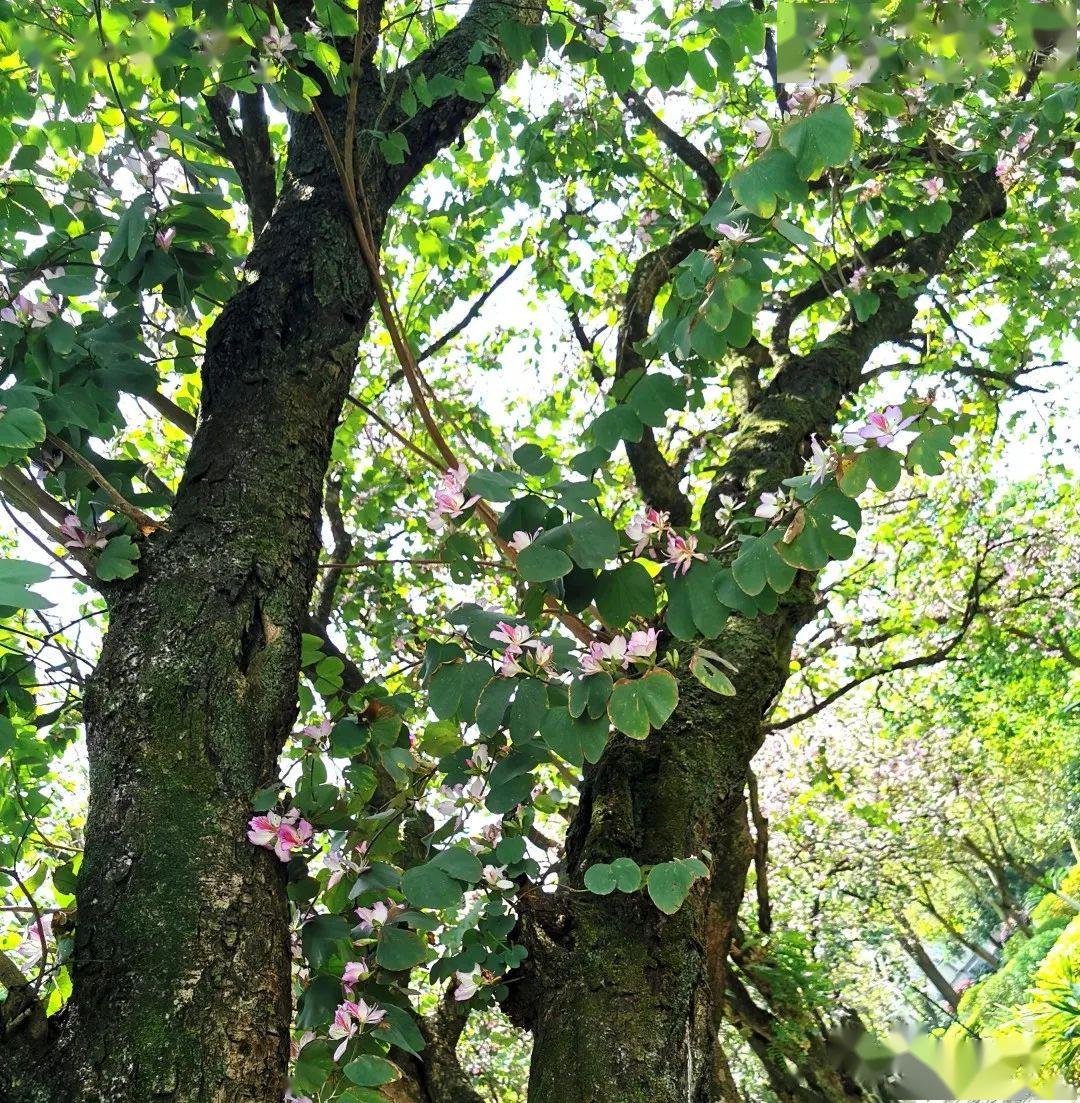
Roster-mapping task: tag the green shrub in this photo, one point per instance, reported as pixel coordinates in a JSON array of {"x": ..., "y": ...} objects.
[
  {"x": 1054, "y": 1010},
  {"x": 1053, "y": 907},
  {"x": 996, "y": 999}
]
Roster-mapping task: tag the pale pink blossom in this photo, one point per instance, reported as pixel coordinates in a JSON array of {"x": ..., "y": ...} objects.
[
  {"x": 543, "y": 654},
  {"x": 514, "y": 636},
  {"x": 772, "y": 504},
  {"x": 523, "y": 539},
  {"x": 467, "y": 985},
  {"x": 354, "y": 972},
  {"x": 283, "y": 834},
  {"x": 509, "y": 667},
  {"x": 725, "y": 511},
  {"x": 822, "y": 461},
  {"x": 644, "y": 526},
  {"x": 737, "y": 234},
  {"x": 933, "y": 187},
  {"x": 379, "y": 914},
  {"x": 881, "y": 427},
  {"x": 450, "y": 500},
  {"x": 78, "y": 537},
  {"x": 277, "y": 44},
  {"x": 479, "y": 759},
  {"x": 592, "y": 662},
  {"x": 642, "y": 645},
  {"x": 163, "y": 239},
  {"x": 319, "y": 731},
  {"x": 858, "y": 278},
  {"x": 760, "y": 132},
  {"x": 682, "y": 551},
  {"x": 493, "y": 875}
]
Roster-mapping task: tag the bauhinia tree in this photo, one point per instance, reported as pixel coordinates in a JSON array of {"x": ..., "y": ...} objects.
[{"x": 413, "y": 697}]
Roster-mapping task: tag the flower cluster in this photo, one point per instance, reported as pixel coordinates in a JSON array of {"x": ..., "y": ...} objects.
[
  {"x": 281, "y": 834},
  {"x": 646, "y": 526},
  {"x": 276, "y": 43},
  {"x": 681, "y": 552},
  {"x": 620, "y": 653},
  {"x": 38, "y": 312},
  {"x": 450, "y": 500},
  {"x": 350, "y": 1019},
  {"x": 516, "y": 637}
]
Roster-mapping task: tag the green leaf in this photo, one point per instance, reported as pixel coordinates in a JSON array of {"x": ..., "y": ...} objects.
[
  {"x": 590, "y": 695},
  {"x": 627, "y": 874},
  {"x": 927, "y": 449},
  {"x": 16, "y": 578},
  {"x": 117, "y": 559},
  {"x": 527, "y": 711},
  {"x": 538, "y": 563},
  {"x": 618, "y": 423},
  {"x": 710, "y": 675},
  {"x": 600, "y": 879},
  {"x": 669, "y": 883},
  {"x": 882, "y": 465},
  {"x": 532, "y": 460},
  {"x": 459, "y": 862},
  {"x": 575, "y": 739},
  {"x": 819, "y": 141},
  {"x": 757, "y": 560},
  {"x": 427, "y": 886},
  {"x": 324, "y": 936},
  {"x": 625, "y": 592},
  {"x": 761, "y": 185},
  {"x": 491, "y": 708},
  {"x": 370, "y": 1071},
  {"x": 643, "y": 703},
  {"x": 652, "y": 397},
  {"x": 20, "y": 430},
  {"x": 593, "y": 540},
  {"x": 400, "y": 949}
]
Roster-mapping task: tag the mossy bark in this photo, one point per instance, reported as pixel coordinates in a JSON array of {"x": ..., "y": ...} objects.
[{"x": 182, "y": 965}]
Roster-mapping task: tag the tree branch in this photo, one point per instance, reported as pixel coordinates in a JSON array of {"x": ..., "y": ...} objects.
[
  {"x": 248, "y": 150},
  {"x": 470, "y": 315},
  {"x": 679, "y": 145}
]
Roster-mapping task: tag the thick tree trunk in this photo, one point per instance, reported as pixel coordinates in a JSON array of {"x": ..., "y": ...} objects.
[
  {"x": 623, "y": 996},
  {"x": 182, "y": 963}
]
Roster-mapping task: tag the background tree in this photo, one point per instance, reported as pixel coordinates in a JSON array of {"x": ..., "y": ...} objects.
[{"x": 530, "y": 676}]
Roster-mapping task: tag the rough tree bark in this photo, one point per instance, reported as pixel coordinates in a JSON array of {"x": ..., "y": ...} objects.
[
  {"x": 625, "y": 996},
  {"x": 182, "y": 966}
]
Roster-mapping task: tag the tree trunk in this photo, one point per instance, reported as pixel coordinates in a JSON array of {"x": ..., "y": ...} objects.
[
  {"x": 182, "y": 963},
  {"x": 917, "y": 952},
  {"x": 624, "y": 996}
]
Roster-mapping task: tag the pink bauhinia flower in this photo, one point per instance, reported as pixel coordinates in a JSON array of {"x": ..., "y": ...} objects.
[
  {"x": 858, "y": 278},
  {"x": 163, "y": 239},
  {"x": 282, "y": 834},
  {"x": 642, "y": 645},
  {"x": 760, "y": 132},
  {"x": 592, "y": 662},
  {"x": 543, "y": 654},
  {"x": 881, "y": 427},
  {"x": 450, "y": 500},
  {"x": 467, "y": 986},
  {"x": 509, "y": 667},
  {"x": 523, "y": 539},
  {"x": 737, "y": 234},
  {"x": 78, "y": 537},
  {"x": 514, "y": 636},
  {"x": 493, "y": 875},
  {"x": 354, "y": 972},
  {"x": 822, "y": 461},
  {"x": 644, "y": 526},
  {"x": 682, "y": 551},
  {"x": 319, "y": 731},
  {"x": 379, "y": 914},
  {"x": 933, "y": 186},
  {"x": 772, "y": 504},
  {"x": 277, "y": 43}
]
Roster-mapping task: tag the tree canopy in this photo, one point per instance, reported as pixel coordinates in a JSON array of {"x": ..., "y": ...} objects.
[{"x": 542, "y": 548}]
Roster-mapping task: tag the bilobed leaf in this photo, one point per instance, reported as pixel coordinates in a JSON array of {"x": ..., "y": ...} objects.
[
  {"x": 618, "y": 423},
  {"x": 640, "y": 704},
  {"x": 370, "y": 1071},
  {"x": 459, "y": 862},
  {"x": 117, "y": 559},
  {"x": 627, "y": 874},
  {"x": 772, "y": 177},
  {"x": 427, "y": 886},
  {"x": 709, "y": 674},
  {"x": 538, "y": 563},
  {"x": 669, "y": 883},
  {"x": 575, "y": 739},
  {"x": 600, "y": 879},
  {"x": 20, "y": 430},
  {"x": 819, "y": 141},
  {"x": 16, "y": 578},
  {"x": 625, "y": 592},
  {"x": 400, "y": 948}
]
